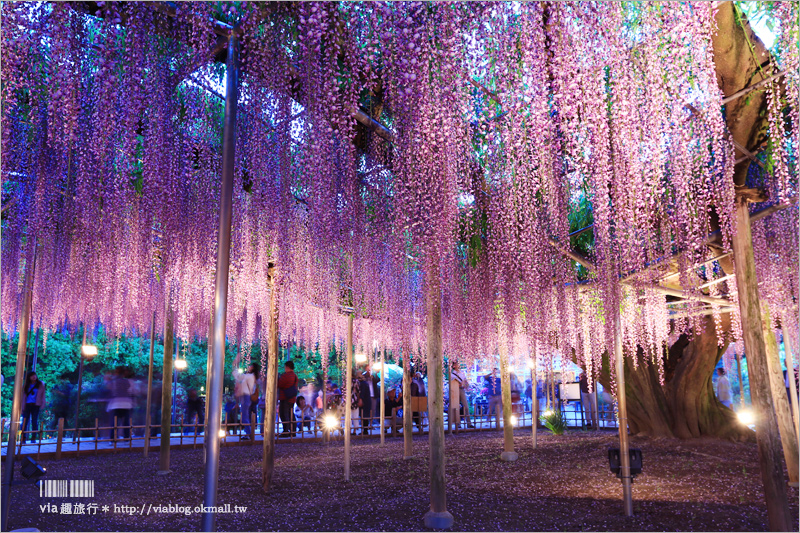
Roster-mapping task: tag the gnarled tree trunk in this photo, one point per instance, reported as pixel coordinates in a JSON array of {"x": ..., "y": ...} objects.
[{"x": 685, "y": 406}]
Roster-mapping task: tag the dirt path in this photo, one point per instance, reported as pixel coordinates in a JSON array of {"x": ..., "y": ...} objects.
[{"x": 565, "y": 484}]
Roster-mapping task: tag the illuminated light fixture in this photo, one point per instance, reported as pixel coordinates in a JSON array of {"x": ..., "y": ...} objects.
[
  {"x": 238, "y": 370},
  {"x": 180, "y": 364},
  {"x": 89, "y": 351},
  {"x": 331, "y": 422},
  {"x": 361, "y": 358},
  {"x": 376, "y": 367},
  {"x": 530, "y": 364},
  {"x": 514, "y": 420},
  {"x": 746, "y": 417},
  {"x": 221, "y": 433},
  {"x": 549, "y": 412}
]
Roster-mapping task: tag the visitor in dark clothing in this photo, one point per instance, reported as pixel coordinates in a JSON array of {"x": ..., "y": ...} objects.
[
  {"x": 34, "y": 400},
  {"x": 194, "y": 406},
  {"x": 287, "y": 395}
]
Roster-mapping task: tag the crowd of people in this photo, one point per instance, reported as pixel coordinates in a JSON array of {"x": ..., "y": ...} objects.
[{"x": 301, "y": 407}]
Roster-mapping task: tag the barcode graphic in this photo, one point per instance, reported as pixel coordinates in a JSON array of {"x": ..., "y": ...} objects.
[{"x": 64, "y": 488}]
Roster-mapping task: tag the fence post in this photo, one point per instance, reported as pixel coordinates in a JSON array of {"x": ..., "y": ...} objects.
[
  {"x": 96, "y": 434},
  {"x": 60, "y": 437}
]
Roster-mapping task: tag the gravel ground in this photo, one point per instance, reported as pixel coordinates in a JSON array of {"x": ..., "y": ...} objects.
[{"x": 565, "y": 484}]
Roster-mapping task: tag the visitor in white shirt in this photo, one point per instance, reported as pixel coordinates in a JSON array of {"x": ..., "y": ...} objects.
[{"x": 246, "y": 384}]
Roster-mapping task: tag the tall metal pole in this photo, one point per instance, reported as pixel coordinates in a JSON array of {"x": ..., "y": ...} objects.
[
  {"x": 221, "y": 286},
  {"x": 19, "y": 378},
  {"x": 207, "y": 434},
  {"x": 149, "y": 386},
  {"x": 80, "y": 385},
  {"x": 348, "y": 394},
  {"x": 624, "y": 454}
]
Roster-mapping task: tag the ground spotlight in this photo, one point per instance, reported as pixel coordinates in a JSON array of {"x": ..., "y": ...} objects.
[
  {"x": 331, "y": 422},
  {"x": 222, "y": 433},
  {"x": 746, "y": 417},
  {"x": 514, "y": 420}
]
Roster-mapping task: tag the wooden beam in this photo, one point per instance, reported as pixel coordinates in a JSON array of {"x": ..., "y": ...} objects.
[
  {"x": 715, "y": 281},
  {"x": 748, "y": 90},
  {"x": 664, "y": 290}
]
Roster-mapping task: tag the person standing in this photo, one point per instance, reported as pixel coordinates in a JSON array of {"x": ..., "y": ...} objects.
[
  {"x": 247, "y": 383},
  {"x": 355, "y": 404},
  {"x": 287, "y": 395},
  {"x": 724, "y": 389},
  {"x": 194, "y": 406},
  {"x": 120, "y": 402},
  {"x": 588, "y": 401},
  {"x": 34, "y": 400},
  {"x": 458, "y": 393},
  {"x": 418, "y": 389},
  {"x": 367, "y": 394},
  {"x": 494, "y": 391},
  {"x": 61, "y": 399},
  {"x": 254, "y": 398}
]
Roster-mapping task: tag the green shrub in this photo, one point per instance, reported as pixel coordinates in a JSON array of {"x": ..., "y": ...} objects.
[{"x": 554, "y": 421}]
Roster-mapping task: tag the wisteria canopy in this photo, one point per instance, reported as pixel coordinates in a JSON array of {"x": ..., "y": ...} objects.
[{"x": 493, "y": 130}]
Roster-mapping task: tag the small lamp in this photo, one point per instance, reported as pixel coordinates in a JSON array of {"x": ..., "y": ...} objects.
[{"x": 88, "y": 351}]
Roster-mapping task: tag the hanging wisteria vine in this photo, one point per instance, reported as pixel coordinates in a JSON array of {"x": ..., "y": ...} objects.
[{"x": 491, "y": 125}]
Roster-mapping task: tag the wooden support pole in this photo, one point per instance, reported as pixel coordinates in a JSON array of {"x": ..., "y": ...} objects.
[
  {"x": 149, "y": 386},
  {"x": 454, "y": 394},
  {"x": 166, "y": 393},
  {"x": 534, "y": 399},
  {"x": 347, "y": 376},
  {"x": 438, "y": 517},
  {"x": 59, "y": 437},
  {"x": 624, "y": 454},
  {"x": 18, "y": 397},
  {"x": 780, "y": 400},
  {"x": 769, "y": 452},
  {"x": 505, "y": 388},
  {"x": 792, "y": 386},
  {"x": 383, "y": 397},
  {"x": 408, "y": 423},
  {"x": 271, "y": 389}
]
